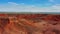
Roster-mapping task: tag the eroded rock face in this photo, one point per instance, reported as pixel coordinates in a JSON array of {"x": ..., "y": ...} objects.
[
  {"x": 4, "y": 21},
  {"x": 29, "y": 24}
]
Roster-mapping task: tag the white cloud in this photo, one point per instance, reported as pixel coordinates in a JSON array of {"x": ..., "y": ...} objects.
[
  {"x": 13, "y": 3},
  {"x": 29, "y": 8}
]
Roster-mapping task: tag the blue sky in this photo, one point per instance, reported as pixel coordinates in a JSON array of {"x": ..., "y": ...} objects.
[{"x": 30, "y": 5}]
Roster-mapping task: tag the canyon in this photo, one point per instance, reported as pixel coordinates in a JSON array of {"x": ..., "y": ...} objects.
[{"x": 29, "y": 24}]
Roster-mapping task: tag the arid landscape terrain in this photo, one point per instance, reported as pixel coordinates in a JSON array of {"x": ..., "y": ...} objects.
[{"x": 29, "y": 24}]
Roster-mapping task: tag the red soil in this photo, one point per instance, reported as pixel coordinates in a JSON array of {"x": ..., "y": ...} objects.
[{"x": 29, "y": 24}]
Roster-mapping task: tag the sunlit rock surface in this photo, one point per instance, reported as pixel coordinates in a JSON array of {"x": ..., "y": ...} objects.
[{"x": 29, "y": 24}]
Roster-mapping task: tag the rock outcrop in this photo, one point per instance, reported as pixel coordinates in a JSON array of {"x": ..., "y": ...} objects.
[{"x": 29, "y": 24}]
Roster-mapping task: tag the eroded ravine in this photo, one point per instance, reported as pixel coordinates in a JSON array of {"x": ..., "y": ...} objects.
[{"x": 29, "y": 24}]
